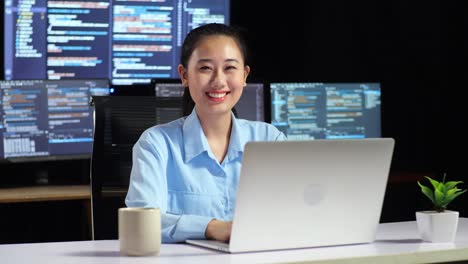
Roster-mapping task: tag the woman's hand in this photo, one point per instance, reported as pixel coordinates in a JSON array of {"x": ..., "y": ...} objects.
[{"x": 218, "y": 230}]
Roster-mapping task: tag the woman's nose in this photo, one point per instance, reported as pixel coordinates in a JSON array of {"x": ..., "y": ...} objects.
[{"x": 219, "y": 79}]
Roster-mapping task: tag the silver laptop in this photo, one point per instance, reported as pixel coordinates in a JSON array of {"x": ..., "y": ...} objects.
[{"x": 299, "y": 194}]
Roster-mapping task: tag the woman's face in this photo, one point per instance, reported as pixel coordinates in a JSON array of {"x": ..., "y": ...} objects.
[{"x": 215, "y": 75}]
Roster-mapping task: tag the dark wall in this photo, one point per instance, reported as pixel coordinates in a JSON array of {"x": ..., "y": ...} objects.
[{"x": 416, "y": 49}]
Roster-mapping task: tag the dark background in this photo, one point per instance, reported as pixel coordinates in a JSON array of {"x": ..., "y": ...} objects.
[{"x": 417, "y": 50}]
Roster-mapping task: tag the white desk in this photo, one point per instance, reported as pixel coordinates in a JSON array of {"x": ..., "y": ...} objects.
[{"x": 396, "y": 243}]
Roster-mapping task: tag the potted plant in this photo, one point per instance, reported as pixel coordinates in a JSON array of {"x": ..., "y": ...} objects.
[{"x": 439, "y": 224}]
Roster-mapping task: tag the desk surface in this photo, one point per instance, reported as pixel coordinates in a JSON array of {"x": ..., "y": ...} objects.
[
  {"x": 396, "y": 243},
  {"x": 45, "y": 193}
]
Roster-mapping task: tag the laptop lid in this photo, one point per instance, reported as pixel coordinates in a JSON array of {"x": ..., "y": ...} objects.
[{"x": 297, "y": 194}]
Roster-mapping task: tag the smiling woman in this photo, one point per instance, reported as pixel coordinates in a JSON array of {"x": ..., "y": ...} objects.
[
  {"x": 215, "y": 75},
  {"x": 189, "y": 168},
  {"x": 213, "y": 63}
]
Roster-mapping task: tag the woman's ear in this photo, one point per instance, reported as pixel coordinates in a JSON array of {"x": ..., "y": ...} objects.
[
  {"x": 183, "y": 75},
  {"x": 246, "y": 74}
]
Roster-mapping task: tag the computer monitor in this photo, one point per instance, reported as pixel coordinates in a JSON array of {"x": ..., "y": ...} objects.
[
  {"x": 251, "y": 105},
  {"x": 129, "y": 41},
  {"x": 47, "y": 119},
  {"x": 168, "y": 87},
  {"x": 306, "y": 111}
]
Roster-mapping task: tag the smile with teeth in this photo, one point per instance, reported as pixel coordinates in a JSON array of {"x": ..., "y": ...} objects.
[{"x": 217, "y": 95}]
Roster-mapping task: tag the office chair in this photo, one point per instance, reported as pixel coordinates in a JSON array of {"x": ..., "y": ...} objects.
[{"x": 118, "y": 123}]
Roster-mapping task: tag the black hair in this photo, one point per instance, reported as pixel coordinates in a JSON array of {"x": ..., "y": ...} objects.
[
  {"x": 187, "y": 102},
  {"x": 190, "y": 43},
  {"x": 213, "y": 29}
]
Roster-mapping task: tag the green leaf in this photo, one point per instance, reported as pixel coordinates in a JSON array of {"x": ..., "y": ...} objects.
[
  {"x": 449, "y": 185},
  {"x": 441, "y": 187},
  {"x": 427, "y": 192},
  {"x": 448, "y": 200},
  {"x": 453, "y": 196},
  {"x": 434, "y": 183},
  {"x": 438, "y": 197},
  {"x": 451, "y": 192}
]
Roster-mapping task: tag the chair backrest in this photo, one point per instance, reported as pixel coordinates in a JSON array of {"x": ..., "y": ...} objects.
[{"x": 118, "y": 123}]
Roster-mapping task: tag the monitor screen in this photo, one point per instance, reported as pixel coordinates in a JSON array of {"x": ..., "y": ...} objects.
[
  {"x": 127, "y": 41},
  {"x": 47, "y": 119},
  {"x": 306, "y": 111},
  {"x": 168, "y": 87},
  {"x": 251, "y": 105}
]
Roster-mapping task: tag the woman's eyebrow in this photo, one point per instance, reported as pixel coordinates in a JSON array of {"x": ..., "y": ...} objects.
[
  {"x": 204, "y": 60},
  {"x": 231, "y": 60},
  {"x": 210, "y": 60}
]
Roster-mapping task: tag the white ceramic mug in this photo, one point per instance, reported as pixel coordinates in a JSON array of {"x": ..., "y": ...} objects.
[{"x": 139, "y": 231}]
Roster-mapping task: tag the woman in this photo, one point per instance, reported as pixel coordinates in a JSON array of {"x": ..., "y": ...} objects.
[{"x": 190, "y": 167}]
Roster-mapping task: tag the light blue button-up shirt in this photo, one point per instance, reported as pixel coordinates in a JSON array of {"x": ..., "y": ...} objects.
[{"x": 175, "y": 170}]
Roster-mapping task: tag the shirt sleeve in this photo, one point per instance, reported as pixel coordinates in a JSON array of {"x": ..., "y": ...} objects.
[
  {"x": 148, "y": 188},
  {"x": 281, "y": 137},
  {"x": 274, "y": 134}
]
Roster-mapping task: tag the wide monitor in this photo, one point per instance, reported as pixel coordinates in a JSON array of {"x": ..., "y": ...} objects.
[
  {"x": 305, "y": 111},
  {"x": 251, "y": 105},
  {"x": 47, "y": 119},
  {"x": 127, "y": 41}
]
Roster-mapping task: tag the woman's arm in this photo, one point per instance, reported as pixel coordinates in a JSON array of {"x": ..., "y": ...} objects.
[{"x": 148, "y": 188}]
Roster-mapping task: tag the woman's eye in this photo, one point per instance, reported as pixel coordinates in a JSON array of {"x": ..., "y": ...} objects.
[
  {"x": 204, "y": 68},
  {"x": 230, "y": 67}
]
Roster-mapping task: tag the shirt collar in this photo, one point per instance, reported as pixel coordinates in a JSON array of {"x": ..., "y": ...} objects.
[
  {"x": 236, "y": 147},
  {"x": 195, "y": 142}
]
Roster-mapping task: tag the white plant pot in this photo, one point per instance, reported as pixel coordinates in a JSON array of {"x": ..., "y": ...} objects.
[{"x": 437, "y": 227}]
